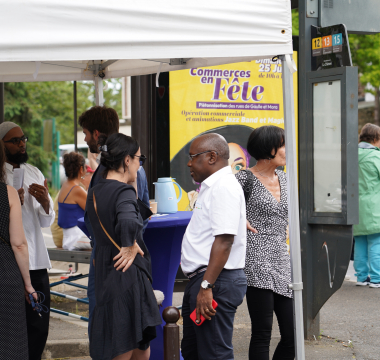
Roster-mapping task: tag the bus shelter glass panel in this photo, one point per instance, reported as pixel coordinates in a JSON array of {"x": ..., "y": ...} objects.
[{"x": 327, "y": 147}]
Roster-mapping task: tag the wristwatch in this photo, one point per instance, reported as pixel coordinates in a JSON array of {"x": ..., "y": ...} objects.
[{"x": 206, "y": 285}]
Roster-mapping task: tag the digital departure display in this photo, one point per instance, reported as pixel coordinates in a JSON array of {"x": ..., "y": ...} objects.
[{"x": 330, "y": 47}]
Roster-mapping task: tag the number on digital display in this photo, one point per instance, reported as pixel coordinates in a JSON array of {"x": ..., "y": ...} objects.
[
  {"x": 337, "y": 39},
  {"x": 317, "y": 43}
]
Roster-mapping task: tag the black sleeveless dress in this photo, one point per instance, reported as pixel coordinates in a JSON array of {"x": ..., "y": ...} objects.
[
  {"x": 126, "y": 311},
  {"x": 13, "y": 335}
]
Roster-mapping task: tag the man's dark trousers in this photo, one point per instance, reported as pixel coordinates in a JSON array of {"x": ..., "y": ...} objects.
[
  {"x": 213, "y": 339},
  {"x": 38, "y": 327}
]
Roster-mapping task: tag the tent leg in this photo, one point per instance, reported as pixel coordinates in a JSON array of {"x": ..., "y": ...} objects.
[
  {"x": 75, "y": 117},
  {"x": 1, "y": 102},
  {"x": 294, "y": 224},
  {"x": 99, "y": 99}
]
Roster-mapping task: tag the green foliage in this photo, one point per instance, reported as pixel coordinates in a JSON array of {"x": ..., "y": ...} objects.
[
  {"x": 295, "y": 23},
  {"x": 365, "y": 51},
  {"x": 112, "y": 96},
  {"x": 28, "y": 104}
]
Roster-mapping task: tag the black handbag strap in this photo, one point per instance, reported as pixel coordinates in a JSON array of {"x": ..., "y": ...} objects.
[
  {"x": 105, "y": 231},
  {"x": 113, "y": 241},
  {"x": 248, "y": 185}
]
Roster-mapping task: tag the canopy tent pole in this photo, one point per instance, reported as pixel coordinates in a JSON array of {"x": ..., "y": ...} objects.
[
  {"x": 294, "y": 225},
  {"x": 1, "y": 103},
  {"x": 99, "y": 99},
  {"x": 75, "y": 117}
]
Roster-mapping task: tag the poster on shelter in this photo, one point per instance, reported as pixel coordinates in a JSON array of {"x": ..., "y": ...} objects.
[{"x": 230, "y": 100}]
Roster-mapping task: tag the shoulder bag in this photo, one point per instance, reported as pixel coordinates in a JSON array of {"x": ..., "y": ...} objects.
[{"x": 158, "y": 294}]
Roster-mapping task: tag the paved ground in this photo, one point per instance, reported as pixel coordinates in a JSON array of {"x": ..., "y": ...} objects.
[{"x": 350, "y": 327}]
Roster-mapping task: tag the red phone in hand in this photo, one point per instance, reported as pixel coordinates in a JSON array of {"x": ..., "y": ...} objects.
[{"x": 193, "y": 315}]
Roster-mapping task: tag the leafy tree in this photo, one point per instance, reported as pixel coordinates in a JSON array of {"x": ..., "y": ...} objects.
[
  {"x": 28, "y": 104},
  {"x": 18, "y": 108},
  {"x": 295, "y": 23},
  {"x": 365, "y": 52}
]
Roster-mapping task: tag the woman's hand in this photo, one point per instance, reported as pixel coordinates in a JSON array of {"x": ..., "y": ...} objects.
[
  {"x": 126, "y": 256},
  {"x": 29, "y": 289},
  {"x": 249, "y": 227}
]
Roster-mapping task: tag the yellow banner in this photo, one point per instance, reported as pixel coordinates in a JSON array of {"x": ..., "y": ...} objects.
[{"x": 230, "y": 100}]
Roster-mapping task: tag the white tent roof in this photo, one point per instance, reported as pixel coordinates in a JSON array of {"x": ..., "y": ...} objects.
[{"x": 60, "y": 39}]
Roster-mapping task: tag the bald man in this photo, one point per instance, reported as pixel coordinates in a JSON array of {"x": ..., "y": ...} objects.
[{"x": 213, "y": 253}]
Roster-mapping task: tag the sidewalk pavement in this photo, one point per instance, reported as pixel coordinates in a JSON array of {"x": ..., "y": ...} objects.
[
  {"x": 68, "y": 337},
  {"x": 350, "y": 327}
]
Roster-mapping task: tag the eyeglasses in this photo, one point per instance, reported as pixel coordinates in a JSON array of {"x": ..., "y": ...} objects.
[
  {"x": 191, "y": 157},
  {"x": 16, "y": 141},
  {"x": 142, "y": 159}
]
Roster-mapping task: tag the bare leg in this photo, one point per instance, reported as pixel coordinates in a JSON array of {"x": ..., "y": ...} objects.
[
  {"x": 125, "y": 356},
  {"x": 136, "y": 354},
  {"x": 141, "y": 354}
]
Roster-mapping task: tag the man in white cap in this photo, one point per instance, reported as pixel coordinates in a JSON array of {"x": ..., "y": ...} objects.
[{"x": 37, "y": 212}]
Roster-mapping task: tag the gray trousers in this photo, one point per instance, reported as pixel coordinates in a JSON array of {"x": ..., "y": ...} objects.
[{"x": 213, "y": 339}]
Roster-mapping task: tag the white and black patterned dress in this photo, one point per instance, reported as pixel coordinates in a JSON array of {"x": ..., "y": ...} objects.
[
  {"x": 267, "y": 263},
  {"x": 13, "y": 335}
]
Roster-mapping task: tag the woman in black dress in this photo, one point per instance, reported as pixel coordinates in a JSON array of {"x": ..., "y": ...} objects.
[
  {"x": 126, "y": 311},
  {"x": 15, "y": 284},
  {"x": 267, "y": 264}
]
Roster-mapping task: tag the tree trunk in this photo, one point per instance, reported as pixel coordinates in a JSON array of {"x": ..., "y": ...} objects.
[{"x": 376, "y": 112}]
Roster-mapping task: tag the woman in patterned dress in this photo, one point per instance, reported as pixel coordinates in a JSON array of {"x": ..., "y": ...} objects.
[
  {"x": 267, "y": 264},
  {"x": 15, "y": 284}
]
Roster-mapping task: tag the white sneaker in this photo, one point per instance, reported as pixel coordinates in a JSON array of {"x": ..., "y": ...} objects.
[
  {"x": 374, "y": 285},
  {"x": 364, "y": 283}
]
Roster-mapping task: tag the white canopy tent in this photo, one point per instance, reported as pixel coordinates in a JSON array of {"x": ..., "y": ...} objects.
[
  {"x": 65, "y": 40},
  {"x": 64, "y": 37}
]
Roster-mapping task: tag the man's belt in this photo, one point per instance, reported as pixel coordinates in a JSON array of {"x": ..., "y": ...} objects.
[{"x": 196, "y": 272}]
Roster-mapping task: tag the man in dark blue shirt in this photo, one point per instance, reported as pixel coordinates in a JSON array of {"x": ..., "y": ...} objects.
[{"x": 94, "y": 122}]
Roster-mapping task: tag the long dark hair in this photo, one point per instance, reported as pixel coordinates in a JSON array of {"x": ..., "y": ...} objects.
[
  {"x": 118, "y": 147},
  {"x": 2, "y": 161}
]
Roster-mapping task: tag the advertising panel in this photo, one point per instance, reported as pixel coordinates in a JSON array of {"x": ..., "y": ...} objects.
[{"x": 230, "y": 100}]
